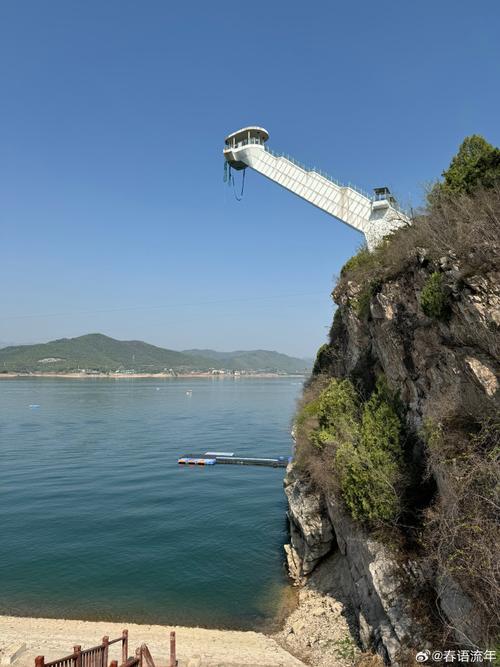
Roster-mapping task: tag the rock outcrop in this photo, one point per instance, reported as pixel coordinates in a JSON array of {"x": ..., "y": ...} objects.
[
  {"x": 311, "y": 531},
  {"x": 374, "y": 585},
  {"x": 441, "y": 367}
]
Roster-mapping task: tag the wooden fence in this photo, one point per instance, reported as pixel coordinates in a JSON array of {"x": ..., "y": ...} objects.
[{"x": 97, "y": 656}]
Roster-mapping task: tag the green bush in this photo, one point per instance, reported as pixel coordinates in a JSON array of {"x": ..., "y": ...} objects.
[
  {"x": 366, "y": 481},
  {"x": 433, "y": 299},
  {"x": 362, "y": 303},
  {"x": 308, "y": 410},
  {"x": 356, "y": 448},
  {"x": 337, "y": 326},
  {"x": 362, "y": 258},
  {"x": 370, "y": 470},
  {"x": 381, "y": 425},
  {"x": 338, "y": 411},
  {"x": 322, "y": 359}
]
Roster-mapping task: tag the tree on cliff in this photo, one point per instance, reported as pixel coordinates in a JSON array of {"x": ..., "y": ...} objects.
[{"x": 477, "y": 163}]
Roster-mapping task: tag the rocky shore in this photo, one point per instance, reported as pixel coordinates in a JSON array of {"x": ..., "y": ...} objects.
[
  {"x": 352, "y": 596},
  {"x": 321, "y": 630}
]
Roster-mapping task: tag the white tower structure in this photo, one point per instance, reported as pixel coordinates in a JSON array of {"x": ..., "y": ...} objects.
[{"x": 374, "y": 216}]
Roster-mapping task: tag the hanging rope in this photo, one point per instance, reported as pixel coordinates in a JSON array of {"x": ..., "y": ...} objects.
[
  {"x": 229, "y": 179},
  {"x": 240, "y": 196}
]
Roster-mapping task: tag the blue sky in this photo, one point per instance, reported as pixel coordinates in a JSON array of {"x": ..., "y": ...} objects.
[{"x": 113, "y": 213}]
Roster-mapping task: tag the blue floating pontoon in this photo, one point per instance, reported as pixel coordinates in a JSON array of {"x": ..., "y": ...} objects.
[{"x": 211, "y": 458}]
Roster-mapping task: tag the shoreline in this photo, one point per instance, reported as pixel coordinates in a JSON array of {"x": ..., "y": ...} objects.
[
  {"x": 54, "y": 638},
  {"x": 312, "y": 627},
  {"x": 156, "y": 376}
]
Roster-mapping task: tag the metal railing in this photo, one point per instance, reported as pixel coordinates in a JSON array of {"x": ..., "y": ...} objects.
[
  {"x": 320, "y": 172},
  {"x": 253, "y": 141},
  {"x": 394, "y": 203}
]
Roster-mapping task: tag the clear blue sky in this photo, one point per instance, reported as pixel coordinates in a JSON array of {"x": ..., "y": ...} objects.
[{"x": 113, "y": 213}]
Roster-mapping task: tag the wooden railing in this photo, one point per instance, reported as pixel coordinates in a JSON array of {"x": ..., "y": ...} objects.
[
  {"x": 143, "y": 657},
  {"x": 130, "y": 662},
  {"x": 97, "y": 656}
]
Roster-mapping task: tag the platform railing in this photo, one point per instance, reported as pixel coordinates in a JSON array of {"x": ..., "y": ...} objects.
[
  {"x": 320, "y": 172},
  {"x": 314, "y": 170}
]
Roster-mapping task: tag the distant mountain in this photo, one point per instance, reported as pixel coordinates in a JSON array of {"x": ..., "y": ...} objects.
[
  {"x": 253, "y": 360},
  {"x": 101, "y": 353},
  {"x": 95, "y": 352},
  {"x": 5, "y": 344}
]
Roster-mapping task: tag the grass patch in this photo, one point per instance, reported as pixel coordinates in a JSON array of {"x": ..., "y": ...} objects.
[{"x": 346, "y": 649}]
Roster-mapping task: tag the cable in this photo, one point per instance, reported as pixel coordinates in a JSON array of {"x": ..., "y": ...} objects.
[
  {"x": 161, "y": 306},
  {"x": 240, "y": 197}
]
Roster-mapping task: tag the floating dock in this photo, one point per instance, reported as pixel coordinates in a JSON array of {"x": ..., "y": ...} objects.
[
  {"x": 196, "y": 461},
  {"x": 211, "y": 458},
  {"x": 278, "y": 462}
]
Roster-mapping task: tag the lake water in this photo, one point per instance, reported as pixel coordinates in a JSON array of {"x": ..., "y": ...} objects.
[{"x": 98, "y": 521}]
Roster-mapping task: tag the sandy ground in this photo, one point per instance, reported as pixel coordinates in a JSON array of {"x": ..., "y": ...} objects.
[{"x": 196, "y": 647}]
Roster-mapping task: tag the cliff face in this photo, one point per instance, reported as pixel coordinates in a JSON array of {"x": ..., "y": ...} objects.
[
  {"x": 430, "y": 327},
  {"x": 375, "y": 586}
]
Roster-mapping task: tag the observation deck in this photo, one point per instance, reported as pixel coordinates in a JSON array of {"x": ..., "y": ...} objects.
[{"x": 374, "y": 216}]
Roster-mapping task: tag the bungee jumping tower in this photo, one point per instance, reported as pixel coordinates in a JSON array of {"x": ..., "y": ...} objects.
[{"x": 375, "y": 216}]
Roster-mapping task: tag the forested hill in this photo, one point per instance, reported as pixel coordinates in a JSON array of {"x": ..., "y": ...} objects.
[
  {"x": 101, "y": 353},
  {"x": 250, "y": 360}
]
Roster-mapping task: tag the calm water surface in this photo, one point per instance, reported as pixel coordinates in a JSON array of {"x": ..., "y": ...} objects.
[{"x": 98, "y": 520}]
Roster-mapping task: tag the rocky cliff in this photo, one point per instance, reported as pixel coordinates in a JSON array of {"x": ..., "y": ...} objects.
[{"x": 418, "y": 558}]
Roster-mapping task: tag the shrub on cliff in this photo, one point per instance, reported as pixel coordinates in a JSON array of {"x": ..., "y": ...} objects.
[
  {"x": 353, "y": 448},
  {"x": 362, "y": 259},
  {"x": 370, "y": 469},
  {"x": 338, "y": 411},
  {"x": 322, "y": 359},
  {"x": 434, "y": 299}
]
